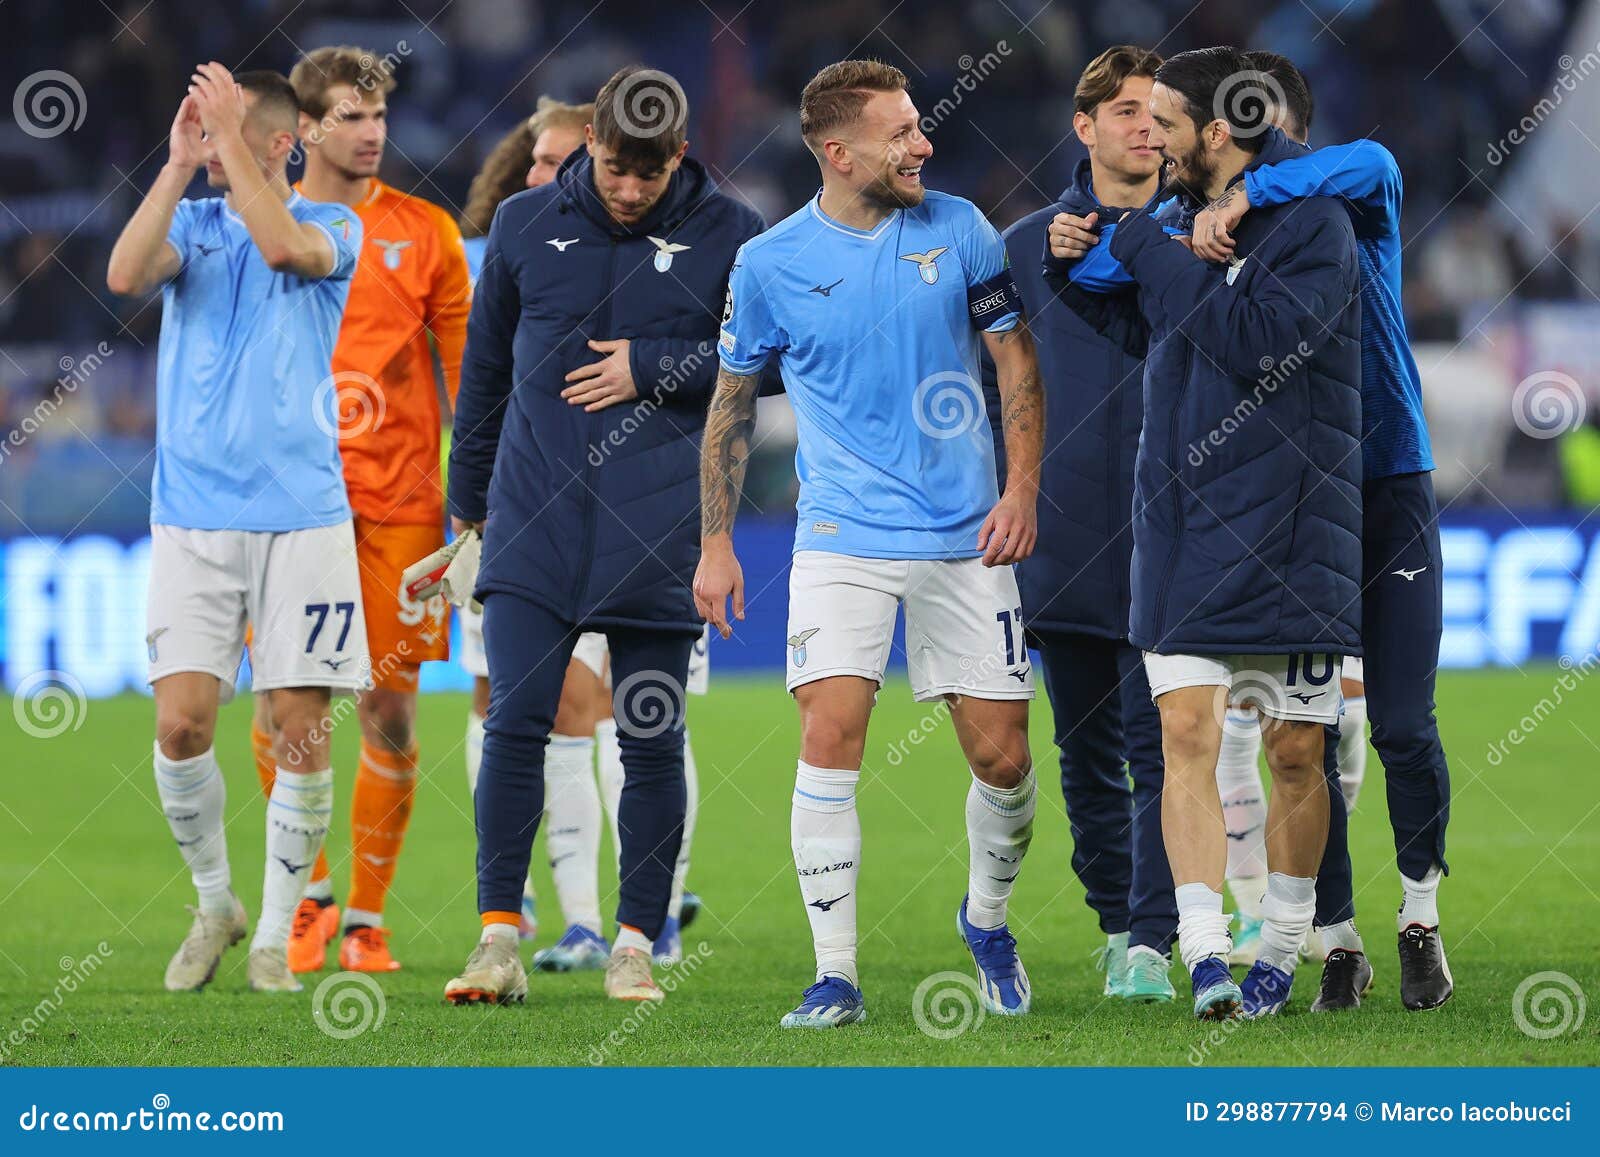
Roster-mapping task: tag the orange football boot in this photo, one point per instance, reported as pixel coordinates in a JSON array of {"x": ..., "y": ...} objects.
[
  {"x": 315, "y": 925},
  {"x": 367, "y": 950}
]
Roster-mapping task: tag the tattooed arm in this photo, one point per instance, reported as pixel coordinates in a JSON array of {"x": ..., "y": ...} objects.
[
  {"x": 724, "y": 454},
  {"x": 1009, "y": 533}
]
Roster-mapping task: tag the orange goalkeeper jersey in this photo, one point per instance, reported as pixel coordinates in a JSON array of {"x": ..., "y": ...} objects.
[{"x": 411, "y": 281}]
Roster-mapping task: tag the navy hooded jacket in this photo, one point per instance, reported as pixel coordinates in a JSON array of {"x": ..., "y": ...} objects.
[
  {"x": 1076, "y": 580},
  {"x": 594, "y": 516},
  {"x": 1247, "y": 494}
]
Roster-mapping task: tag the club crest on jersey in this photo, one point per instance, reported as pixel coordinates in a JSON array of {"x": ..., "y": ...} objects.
[
  {"x": 797, "y": 645},
  {"x": 927, "y": 263},
  {"x": 391, "y": 251},
  {"x": 664, "y": 253}
]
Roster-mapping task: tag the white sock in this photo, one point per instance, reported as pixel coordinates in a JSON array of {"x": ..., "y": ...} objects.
[
  {"x": 825, "y": 832},
  {"x": 1202, "y": 925},
  {"x": 1342, "y": 935},
  {"x": 572, "y": 834},
  {"x": 999, "y": 829},
  {"x": 498, "y": 932},
  {"x": 321, "y": 891},
  {"x": 1353, "y": 749},
  {"x": 297, "y": 822},
  {"x": 611, "y": 778},
  {"x": 691, "y": 788},
  {"x": 474, "y": 750},
  {"x": 1290, "y": 905},
  {"x": 193, "y": 797},
  {"x": 1244, "y": 802},
  {"x": 1421, "y": 905},
  {"x": 631, "y": 938},
  {"x": 1248, "y": 892}
]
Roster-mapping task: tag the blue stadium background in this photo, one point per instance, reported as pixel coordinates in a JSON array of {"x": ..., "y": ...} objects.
[{"x": 1492, "y": 110}]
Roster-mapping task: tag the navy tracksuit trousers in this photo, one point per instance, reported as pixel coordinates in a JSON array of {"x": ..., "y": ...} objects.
[{"x": 528, "y": 649}]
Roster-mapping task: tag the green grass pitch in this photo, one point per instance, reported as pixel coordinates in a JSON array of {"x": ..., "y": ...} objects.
[{"x": 86, "y": 859}]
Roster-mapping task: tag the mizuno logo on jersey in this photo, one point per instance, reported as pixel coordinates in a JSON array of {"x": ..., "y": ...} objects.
[
  {"x": 561, "y": 246},
  {"x": 1409, "y": 575},
  {"x": 665, "y": 251},
  {"x": 824, "y": 290},
  {"x": 206, "y": 250},
  {"x": 927, "y": 269}
]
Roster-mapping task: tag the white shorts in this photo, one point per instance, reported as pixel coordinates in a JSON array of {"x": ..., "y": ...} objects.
[
  {"x": 299, "y": 590},
  {"x": 963, "y": 624},
  {"x": 1355, "y": 669},
  {"x": 473, "y": 657},
  {"x": 591, "y": 651},
  {"x": 1303, "y": 688}
]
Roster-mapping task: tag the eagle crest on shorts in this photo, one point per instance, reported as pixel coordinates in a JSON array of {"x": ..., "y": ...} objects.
[{"x": 797, "y": 645}]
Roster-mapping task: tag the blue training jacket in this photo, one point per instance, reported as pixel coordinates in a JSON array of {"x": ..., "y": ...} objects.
[
  {"x": 1247, "y": 494},
  {"x": 1076, "y": 580},
  {"x": 594, "y": 516},
  {"x": 1394, "y": 432}
]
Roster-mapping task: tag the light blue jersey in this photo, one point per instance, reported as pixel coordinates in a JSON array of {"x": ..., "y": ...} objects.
[
  {"x": 475, "y": 248},
  {"x": 246, "y": 424},
  {"x": 879, "y": 355}
]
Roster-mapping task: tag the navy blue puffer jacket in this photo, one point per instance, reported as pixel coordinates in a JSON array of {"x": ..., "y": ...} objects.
[
  {"x": 1077, "y": 577},
  {"x": 594, "y": 516},
  {"x": 1247, "y": 504}
]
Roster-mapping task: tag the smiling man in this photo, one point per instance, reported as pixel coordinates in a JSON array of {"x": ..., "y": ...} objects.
[{"x": 872, "y": 300}]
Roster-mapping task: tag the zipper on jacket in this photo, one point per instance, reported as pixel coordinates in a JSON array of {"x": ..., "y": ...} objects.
[
  {"x": 1114, "y": 474},
  {"x": 586, "y": 555}
]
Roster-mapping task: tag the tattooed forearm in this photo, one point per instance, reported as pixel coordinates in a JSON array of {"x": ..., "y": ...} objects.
[
  {"x": 725, "y": 450},
  {"x": 1228, "y": 199},
  {"x": 1021, "y": 404}
]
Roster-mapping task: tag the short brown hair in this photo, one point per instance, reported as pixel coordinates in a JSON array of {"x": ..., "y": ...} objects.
[
  {"x": 1104, "y": 77},
  {"x": 837, "y": 94},
  {"x": 275, "y": 100},
  {"x": 642, "y": 116},
  {"x": 322, "y": 68},
  {"x": 551, "y": 113}
]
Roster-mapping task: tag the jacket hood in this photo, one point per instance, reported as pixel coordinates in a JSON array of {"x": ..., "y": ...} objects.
[{"x": 689, "y": 186}]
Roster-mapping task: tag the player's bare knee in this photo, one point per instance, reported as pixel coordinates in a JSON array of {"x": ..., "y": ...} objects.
[
  {"x": 828, "y": 739},
  {"x": 1294, "y": 752},
  {"x": 304, "y": 726},
  {"x": 1003, "y": 763},
  {"x": 388, "y": 719},
  {"x": 183, "y": 732}
]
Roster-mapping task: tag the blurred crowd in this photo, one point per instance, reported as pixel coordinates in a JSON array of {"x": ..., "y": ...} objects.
[{"x": 1434, "y": 80}]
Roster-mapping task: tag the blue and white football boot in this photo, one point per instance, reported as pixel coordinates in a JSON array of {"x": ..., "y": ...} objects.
[
  {"x": 1265, "y": 989},
  {"x": 1216, "y": 996},
  {"x": 578, "y": 950},
  {"x": 829, "y": 1003},
  {"x": 1002, "y": 981}
]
